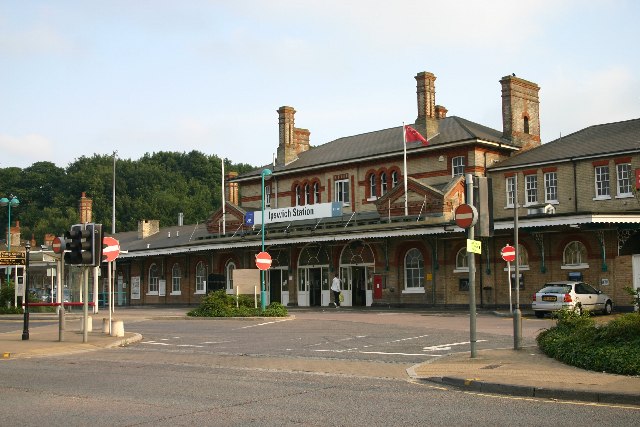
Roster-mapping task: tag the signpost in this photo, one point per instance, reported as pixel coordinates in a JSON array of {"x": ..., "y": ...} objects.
[
  {"x": 263, "y": 261},
  {"x": 12, "y": 258},
  {"x": 509, "y": 254}
]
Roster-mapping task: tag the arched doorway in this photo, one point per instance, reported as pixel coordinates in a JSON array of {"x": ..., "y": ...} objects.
[
  {"x": 357, "y": 264},
  {"x": 313, "y": 276},
  {"x": 278, "y": 276}
]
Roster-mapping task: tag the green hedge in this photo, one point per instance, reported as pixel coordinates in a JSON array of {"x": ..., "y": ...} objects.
[
  {"x": 576, "y": 340},
  {"x": 220, "y": 304}
]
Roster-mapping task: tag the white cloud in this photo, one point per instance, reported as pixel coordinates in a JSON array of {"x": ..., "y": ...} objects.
[{"x": 26, "y": 150}]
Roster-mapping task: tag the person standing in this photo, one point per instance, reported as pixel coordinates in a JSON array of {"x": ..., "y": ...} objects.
[{"x": 335, "y": 287}]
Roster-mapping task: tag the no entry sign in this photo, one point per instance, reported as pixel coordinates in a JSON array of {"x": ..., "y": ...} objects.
[
  {"x": 57, "y": 244},
  {"x": 466, "y": 216},
  {"x": 263, "y": 260},
  {"x": 111, "y": 248},
  {"x": 508, "y": 253}
]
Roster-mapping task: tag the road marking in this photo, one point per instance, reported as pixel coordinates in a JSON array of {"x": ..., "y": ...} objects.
[
  {"x": 355, "y": 350},
  {"x": 189, "y": 345},
  {"x": 265, "y": 323},
  {"x": 155, "y": 343},
  {"x": 443, "y": 347}
]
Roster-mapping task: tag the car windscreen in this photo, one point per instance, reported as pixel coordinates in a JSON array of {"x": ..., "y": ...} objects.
[{"x": 555, "y": 289}]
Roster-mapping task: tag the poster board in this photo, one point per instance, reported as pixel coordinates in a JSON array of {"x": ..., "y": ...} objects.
[{"x": 246, "y": 281}]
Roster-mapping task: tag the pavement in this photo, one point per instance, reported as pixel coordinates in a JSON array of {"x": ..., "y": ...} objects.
[{"x": 525, "y": 372}]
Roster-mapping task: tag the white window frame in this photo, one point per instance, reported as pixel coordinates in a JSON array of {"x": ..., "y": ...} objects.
[
  {"x": 457, "y": 166},
  {"x": 462, "y": 261},
  {"x": 229, "y": 275},
  {"x": 267, "y": 195},
  {"x": 372, "y": 187},
  {"x": 153, "y": 280},
  {"x": 176, "y": 277},
  {"x": 298, "y": 195},
  {"x": 624, "y": 180},
  {"x": 307, "y": 194},
  {"x": 342, "y": 192},
  {"x": 201, "y": 278},
  {"x": 413, "y": 274},
  {"x": 602, "y": 181},
  {"x": 531, "y": 189},
  {"x": 510, "y": 185},
  {"x": 574, "y": 256},
  {"x": 551, "y": 187},
  {"x": 394, "y": 179},
  {"x": 383, "y": 184},
  {"x": 316, "y": 192}
]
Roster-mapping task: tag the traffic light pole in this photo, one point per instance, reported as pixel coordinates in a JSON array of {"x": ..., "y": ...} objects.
[
  {"x": 471, "y": 262},
  {"x": 85, "y": 306}
]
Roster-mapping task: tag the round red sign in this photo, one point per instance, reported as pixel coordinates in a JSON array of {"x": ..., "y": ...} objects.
[
  {"x": 508, "y": 253},
  {"x": 466, "y": 216},
  {"x": 56, "y": 245},
  {"x": 263, "y": 260},
  {"x": 111, "y": 248}
]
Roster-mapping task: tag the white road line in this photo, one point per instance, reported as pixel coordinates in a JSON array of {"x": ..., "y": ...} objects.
[
  {"x": 189, "y": 345},
  {"x": 355, "y": 350},
  {"x": 154, "y": 343},
  {"x": 443, "y": 347},
  {"x": 265, "y": 323}
]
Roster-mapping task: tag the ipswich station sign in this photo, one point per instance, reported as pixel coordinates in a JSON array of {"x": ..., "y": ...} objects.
[{"x": 294, "y": 213}]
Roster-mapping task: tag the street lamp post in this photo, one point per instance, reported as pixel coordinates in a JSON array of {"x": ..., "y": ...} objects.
[
  {"x": 11, "y": 201},
  {"x": 263, "y": 287},
  {"x": 25, "y": 330}
]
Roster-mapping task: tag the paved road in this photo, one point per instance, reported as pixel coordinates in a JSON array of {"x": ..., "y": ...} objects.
[{"x": 322, "y": 368}]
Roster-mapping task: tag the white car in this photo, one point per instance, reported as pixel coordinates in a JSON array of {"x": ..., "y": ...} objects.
[{"x": 577, "y": 296}]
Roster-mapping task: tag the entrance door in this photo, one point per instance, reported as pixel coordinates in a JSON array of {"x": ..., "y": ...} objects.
[
  {"x": 345, "y": 277},
  {"x": 315, "y": 285},
  {"x": 359, "y": 286},
  {"x": 277, "y": 280}
]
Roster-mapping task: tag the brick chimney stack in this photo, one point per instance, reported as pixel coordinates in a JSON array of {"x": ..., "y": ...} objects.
[
  {"x": 231, "y": 188},
  {"x": 426, "y": 122},
  {"x": 86, "y": 206},
  {"x": 292, "y": 141},
  {"x": 520, "y": 112}
]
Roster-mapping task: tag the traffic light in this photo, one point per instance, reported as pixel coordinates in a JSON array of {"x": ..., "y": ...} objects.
[
  {"x": 84, "y": 243},
  {"x": 78, "y": 244}
]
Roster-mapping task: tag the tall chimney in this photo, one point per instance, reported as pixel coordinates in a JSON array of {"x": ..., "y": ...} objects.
[
  {"x": 231, "y": 188},
  {"x": 86, "y": 205},
  {"x": 426, "y": 91},
  {"x": 520, "y": 111},
  {"x": 286, "y": 145}
]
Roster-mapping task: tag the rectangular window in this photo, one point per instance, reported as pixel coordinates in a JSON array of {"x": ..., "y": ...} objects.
[
  {"x": 624, "y": 179},
  {"x": 511, "y": 191},
  {"x": 531, "y": 186},
  {"x": 267, "y": 195},
  {"x": 602, "y": 182},
  {"x": 550, "y": 187},
  {"x": 457, "y": 166},
  {"x": 175, "y": 284},
  {"x": 342, "y": 191}
]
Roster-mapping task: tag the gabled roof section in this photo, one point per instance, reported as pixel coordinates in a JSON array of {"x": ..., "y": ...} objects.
[
  {"x": 383, "y": 143},
  {"x": 594, "y": 141}
]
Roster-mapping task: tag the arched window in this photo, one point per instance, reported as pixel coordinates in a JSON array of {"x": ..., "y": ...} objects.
[
  {"x": 316, "y": 192},
  {"x": 523, "y": 256},
  {"x": 201, "y": 277},
  {"x": 153, "y": 280},
  {"x": 394, "y": 179},
  {"x": 462, "y": 263},
  {"x": 575, "y": 255},
  {"x": 414, "y": 270},
  {"x": 383, "y": 184},
  {"x": 372, "y": 186},
  {"x": 229, "y": 275},
  {"x": 307, "y": 194},
  {"x": 176, "y": 275},
  {"x": 526, "y": 124},
  {"x": 298, "y": 196}
]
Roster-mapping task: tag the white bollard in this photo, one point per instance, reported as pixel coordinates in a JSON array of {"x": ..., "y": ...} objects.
[
  {"x": 105, "y": 325},
  {"x": 89, "y": 324},
  {"x": 117, "y": 328}
]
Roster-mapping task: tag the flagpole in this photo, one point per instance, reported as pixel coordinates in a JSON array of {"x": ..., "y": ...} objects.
[
  {"x": 224, "y": 215},
  {"x": 404, "y": 140}
]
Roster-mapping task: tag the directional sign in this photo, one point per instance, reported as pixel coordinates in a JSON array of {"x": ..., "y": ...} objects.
[
  {"x": 466, "y": 216},
  {"x": 508, "y": 253},
  {"x": 263, "y": 260},
  {"x": 111, "y": 249},
  {"x": 12, "y": 258}
]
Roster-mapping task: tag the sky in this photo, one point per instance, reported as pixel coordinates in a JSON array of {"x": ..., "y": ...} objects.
[{"x": 82, "y": 77}]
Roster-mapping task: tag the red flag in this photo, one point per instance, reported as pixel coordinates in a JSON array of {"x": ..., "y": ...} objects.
[{"x": 412, "y": 135}]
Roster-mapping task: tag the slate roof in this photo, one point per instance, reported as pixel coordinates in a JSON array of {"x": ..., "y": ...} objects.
[
  {"x": 385, "y": 142},
  {"x": 594, "y": 141}
]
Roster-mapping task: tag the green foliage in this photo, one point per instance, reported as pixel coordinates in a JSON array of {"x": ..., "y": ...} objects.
[
  {"x": 634, "y": 294},
  {"x": 157, "y": 186},
  {"x": 613, "y": 347},
  {"x": 7, "y": 299},
  {"x": 220, "y": 304}
]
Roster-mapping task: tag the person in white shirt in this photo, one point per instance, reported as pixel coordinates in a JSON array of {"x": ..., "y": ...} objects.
[{"x": 335, "y": 287}]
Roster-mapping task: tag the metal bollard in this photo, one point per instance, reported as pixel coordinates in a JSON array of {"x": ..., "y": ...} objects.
[{"x": 61, "y": 324}]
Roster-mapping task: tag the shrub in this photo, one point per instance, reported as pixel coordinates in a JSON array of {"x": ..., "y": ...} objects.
[
  {"x": 220, "y": 304},
  {"x": 613, "y": 347}
]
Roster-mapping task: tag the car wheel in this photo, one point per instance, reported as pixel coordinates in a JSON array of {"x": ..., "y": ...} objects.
[
  {"x": 608, "y": 307},
  {"x": 539, "y": 314}
]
